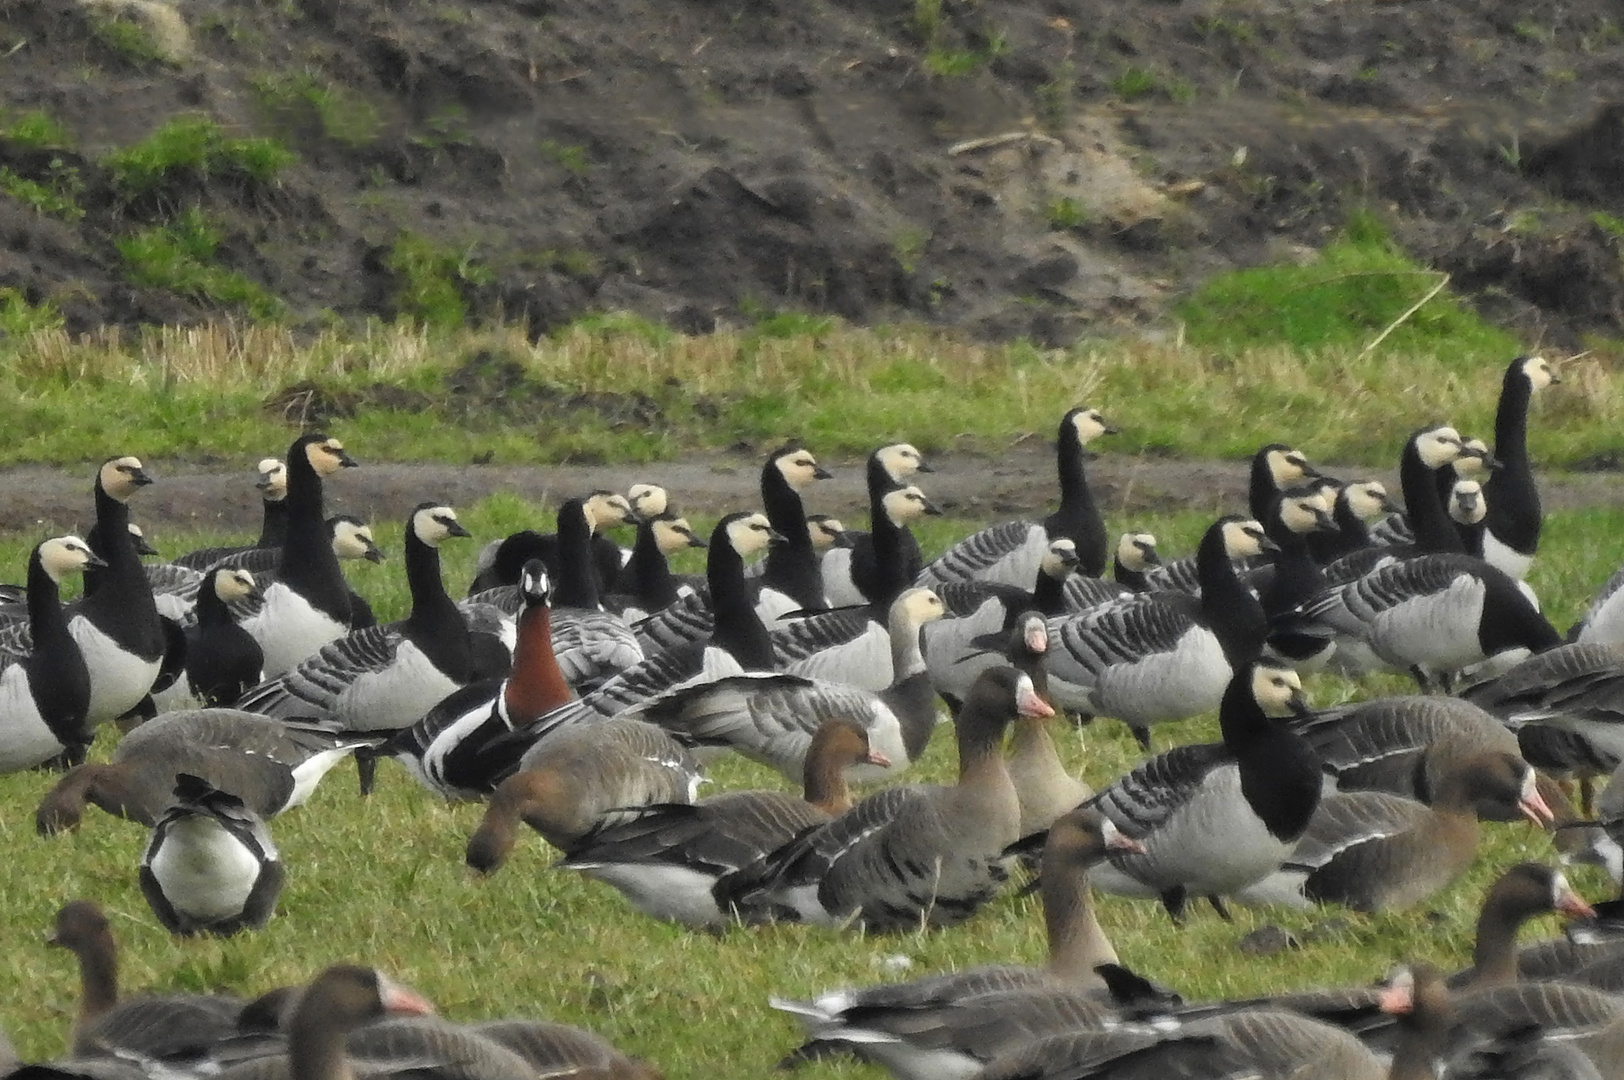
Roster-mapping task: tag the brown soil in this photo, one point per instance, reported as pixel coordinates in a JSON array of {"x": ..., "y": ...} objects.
[{"x": 693, "y": 161}]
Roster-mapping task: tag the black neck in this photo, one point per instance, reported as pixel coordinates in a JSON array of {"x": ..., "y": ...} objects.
[
  {"x": 1351, "y": 535},
  {"x": 1429, "y": 521},
  {"x": 211, "y": 610},
  {"x": 58, "y": 678},
  {"x": 1130, "y": 579},
  {"x": 308, "y": 561},
  {"x": 1280, "y": 774},
  {"x": 738, "y": 628},
  {"x": 578, "y": 583},
  {"x": 889, "y": 540},
  {"x": 435, "y": 625},
  {"x": 784, "y": 510},
  {"x": 46, "y": 622},
  {"x": 1511, "y": 419},
  {"x": 1260, "y": 488},
  {"x": 648, "y": 572},
  {"x": 792, "y": 567},
  {"x": 1077, "y": 518},
  {"x": 273, "y": 527},
  {"x": 1229, "y": 608},
  {"x": 1049, "y": 595}
]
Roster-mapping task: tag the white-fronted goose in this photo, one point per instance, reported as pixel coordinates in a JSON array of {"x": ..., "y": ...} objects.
[
  {"x": 912, "y": 855},
  {"x": 1010, "y": 552},
  {"x": 582, "y": 779},
  {"x": 210, "y": 865},
  {"x": 1217, "y": 817},
  {"x": 667, "y": 859},
  {"x": 45, "y": 692},
  {"x": 1574, "y": 688},
  {"x": 569, "y": 1053},
  {"x": 791, "y": 577},
  {"x": 385, "y": 677},
  {"x": 872, "y": 567},
  {"x": 308, "y": 604},
  {"x": 272, "y": 483},
  {"x": 222, "y": 659},
  {"x": 1512, "y": 531},
  {"x": 1045, "y": 789},
  {"x": 1523, "y": 892}
]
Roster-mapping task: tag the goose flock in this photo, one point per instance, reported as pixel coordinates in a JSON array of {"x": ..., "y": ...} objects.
[{"x": 580, "y": 689}]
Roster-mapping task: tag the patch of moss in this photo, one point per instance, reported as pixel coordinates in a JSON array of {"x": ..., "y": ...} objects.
[
  {"x": 179, "y": 257},
  {"x": 198, "y": 147}
]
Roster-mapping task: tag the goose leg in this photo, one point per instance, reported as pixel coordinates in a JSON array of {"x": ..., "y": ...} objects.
[
  {"x": 1174, "y": 900},
  {"x": 1220, "y": 907},
  {"x": 1419, "y": 674},
  {"x": 366, "y": 769},
  {"x": 1141, "y": 736}
]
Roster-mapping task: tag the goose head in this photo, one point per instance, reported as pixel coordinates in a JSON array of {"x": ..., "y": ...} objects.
[
  {"x": 901, "y": 460},
  {"x": 534, "y": 584},
  {"x": 1368, "y": 499},
  {"x": 747, "y": 533},
  {"x": 1060, "y": 560},
  {"x": 61, "y": 555},
  {"x": 673, "y": 533},
  {"x": 1475, "y": 459},
  {"x": 916, "y": 607},
  {"x": 1419, "y": 996},
  {"x": 1438, "y": 446},
  {"x": 841, "y": 743},
  {"x": 1030, "y": 634},
  {"x": 907, "y": 504},
  {"x": 1087, "y": 425},
  {"x": 647, "y": 500},
  {"x": 1466, "y": 503},
  {"x": 339, "y": 1000},
  {"x": 81, "y": 927},
  {"x": 1278, "y": 690},
  {"x": 1137, "y": 551},
  {"x": 1084, "y": 837},
  {"x": 122, "y": 477},
  {"x": 273, "y": 480},
  {"x": 1506, "y": 782},
  {"x": 1530, "y": 889},
  {"x": 605, "y": 510},
  {"x": 1537, "y": 371},
  {"x": 352, "y": 539},
  {"x": 1306, "y": 510},
  {"x": 1286, "y": 466},
  {"x": 139, "y": 539},
  {"x": 797, "y": 466},
  {"x": 232, "y": 583},
  {"x": 1245, "y": 539},
  {"x": 326, "y": 455},
  {"x": 827, "y": 532},
  {"x": 432, "y": 523}
]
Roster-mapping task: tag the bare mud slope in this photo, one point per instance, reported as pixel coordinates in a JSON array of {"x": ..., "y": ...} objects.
[{"x": 1036, "y": 167}]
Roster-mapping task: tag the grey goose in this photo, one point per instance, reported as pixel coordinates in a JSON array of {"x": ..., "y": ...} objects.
[
  {"x": 385, "y": 677},
  {"x": 558, "y": 1050},
  {"x": 871, "y": 567},
  {"x": 45, "y": 692},
  {"x": 222, "y": 660},
  {"x": 1511, "y": 536},
  {"x": 667, "y": 859},
  {"x": 909, "y": 856},
  {"x": 272, "y": 483},
  {"x": 791, "y": 577},
  {"x": 1217, "y": 817},
  {"x": 308, "y": 604},
  {"x": 1010, "y": 552},
  {"x": 210, "y": 865}
]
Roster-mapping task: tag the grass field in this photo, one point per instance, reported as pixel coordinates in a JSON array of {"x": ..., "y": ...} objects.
[{"x": 382, "y": 881}]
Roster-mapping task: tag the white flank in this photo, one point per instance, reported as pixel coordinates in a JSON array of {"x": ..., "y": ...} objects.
[
  {"x": 204, "y": 871},
  {"x": 395, "y": 697},
  {"x": 288, "y": 629},
  {"x": 1505, "y": 558},
  {"x": 25, "y": 740},
  {"x": 118, "y": 680}
]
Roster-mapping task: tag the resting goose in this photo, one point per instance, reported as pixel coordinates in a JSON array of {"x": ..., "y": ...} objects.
[
  {"x": 222, "y": 659},
  {"x": 1163, "y": 656},
  {"x": 1217, "y": 817},
  {"x": 1512, "y": 531},
  {"x": 272, "y": 765},
  {"x": 771, "y": 717},
  {"x": 1010, "y": 551},
  {"x": 45, "y": 693},
  {"x": 646, "y": 583},
  {"x": 909, "y": 856},
  {"x": 666, "y": 860},
  {"x": 210, "y": 864},
  {"x": 870, "y": 569},
  {"x": 558, "y": 1050},
  {"x": 791, "y": 578},
  {"x": 579, "y": 781},
  {"x": 273, "y": 528},
  {"x": 308, "y": 604},
  {"x": 384, "y": 678}
]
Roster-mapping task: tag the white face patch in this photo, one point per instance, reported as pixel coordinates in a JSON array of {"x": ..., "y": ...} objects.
[
  {"x": 900, "y": 460},
  {"x": 1365, "y": 499},
  {"x": 602, "y": 511},
  {"x": 1439, "y": 447},
  {"x": 798, "y": 468},
  {"x": 63, "y": 555},
  {"x": 1538, "y": 372},
  {"x": 435, "y": 523},
  {"x": 649, "y": 500},
  {"x": 748, "y": 535},
  {"x": 1089, "y": 425},
  {"x": 1243, "y": 539},
  {"x": 1286, "y": 467},
  {"x": 905, "y": 505}
]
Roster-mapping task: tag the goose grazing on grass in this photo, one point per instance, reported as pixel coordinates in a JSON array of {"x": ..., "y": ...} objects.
[
  {"x": 210, "y": 865},
  {"x": 1511, "y": 535},
  {"x": 646, "y": 583},
  {"x": 45, "y": 693},
  {"x": 1009, "y": 552},
  {"x": 222, "y": 659},
  {"x": 308, "y": 604},
  {"x": 1163, "y": 656},
  {"x": 870, "y": 568},
  {"x": 272, "y": 765},
  {"x": 384, "y": 678},
  {"x": 771, "y": 717},
  {"x": 1217, "y": 817},
  {"x": 908, "y": 856},
  {"x": 273, "y": 528},
  {"x": 791, "y": 577},
  {"x": 667, "y": 859},
  {"x": 949, "y": 1025}
]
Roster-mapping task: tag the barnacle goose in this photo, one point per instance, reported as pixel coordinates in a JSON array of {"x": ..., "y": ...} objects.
[
  {"x": 646, "y": 583},
  {"x": 791, "y": 576},
  {"x": 45, "y": 692},
  {"x": 308, "y": 604},
  {"x": 222, "y": 659},
  {"x": 273, "y": 529},
  {"x": 1163, "y": 656},
  {"x": 1216, "y": 817},
  {"x": 1275, "y": 468},
  {"x": 1474, "y": 463},
  {"x": 1135, "y": 556},
  {"x": 500, "y": 561},
  {"x": 1293, "y": 576},
  {"x": 1511, "y": 536},
  {"x": 210, "y": 864},
  {"x": 385, "y": 677},
  {"x": 852, "y": 572},
  {"x": 1009, "y": 552},
  {"x": 1356, "y": 505}
]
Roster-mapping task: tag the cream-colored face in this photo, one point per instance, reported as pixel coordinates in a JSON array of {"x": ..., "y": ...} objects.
[
  {"x": 1302, "y": 513},
  {"x": 647, "y": 500},
  {"x": 1367, "y": 499},
  {"x": 1287, "y": 467},
  {"x": 65, "y": 555},
  {"x": 232, "y": 585},
  {"x": 327, "y": 456},
  {"x": 750, "y": 535},
  {"x": 1089, "y": 425},
  {"x": 1471, "y": 461},
  {"x": 1137, "y": 551},
  {"x": 605, "y": 509},
  {"x": 825, "y": 531},
  {"x": 352, "y": 541},
  {"x": 671, "y": 535},
  {"x": 798, "y": 467},
  {"x": 123, "y": 477},
  {"x": 904, "y": 505},
  {"x": 1538, "y": 372},
  {"x": 1466, "y": 502},
  {"x": 1243, "y": 539},
  {"x": 919, "y": 606},
  {"x": 1277, "y": 689},
  {"x": 273, "y": 480},
  {"x": 1060, "y": 559},
  {"x": 1439, "y": 447},
  {"x": 433, "y": 524},
  {"x": 899, "y": 460}
]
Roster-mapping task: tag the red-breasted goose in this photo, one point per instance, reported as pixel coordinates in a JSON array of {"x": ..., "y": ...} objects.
[
  {"x": 1512, "y": 531},
  {"x": 45, "y": 692},
  {"x": 1217, "y": 817},
  {"x": 210, "y": 865},
  {"x": 667, "y": 859},
  {"x": 580, "y": 780},
  {"x": 222, "y": 659},
  {"x": 771, "y": 717},
  {"x": 1010, "y": 552},
  {"x": 385, "y": 677},
  {"x": 272, "y": 483},
  {"x": 791, "y": 577},
  {"x": 909, "y": 856},
  {"x": 872, "y": 567},
  {"x": 1165, "y": 655},
  {"x": 308, "y": 604}
]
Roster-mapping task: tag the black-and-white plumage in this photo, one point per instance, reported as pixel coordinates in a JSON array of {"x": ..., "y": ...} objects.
[
  {"x": 385, "y": 677},
  {"x": 791, "y": 577},
  {"x": 1010, "y": 552},
  {"x": 1275, "y": 468},
  {"x": 873, "y": 570},
  {"x": 222, "y": 659},
  {"x": 501, "y": 561},
  {"x": 1356, "y": 505},
  {"x": 1217, "y": 817},
  {"x": 1511, "y": 535},
  {"x": 1136, "y": 556},
  {"x": 45, "y": 692},
  {"x": 210, "y": 865},
  {"x": 646, "y": 583},
  {"x": 273, "y": 488}
]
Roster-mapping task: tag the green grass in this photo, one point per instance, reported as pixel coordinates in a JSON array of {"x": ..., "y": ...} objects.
[
  {"x": 57, "y": 198},
  {"x": 300, "y": 97},
  {"x": 129, "y": 40},
  {"x": 195, "y": 147},
  {"x": 382, "y": 881},
  {"x": 19, "y": 318},
  {"x": 36, "y": 128},
  {"x": 432, "y": 278},
  {"x": 179, "y": 257}
]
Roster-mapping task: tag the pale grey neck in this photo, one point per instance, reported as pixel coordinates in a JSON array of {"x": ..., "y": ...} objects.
[{"x": 906, "y": 659}]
